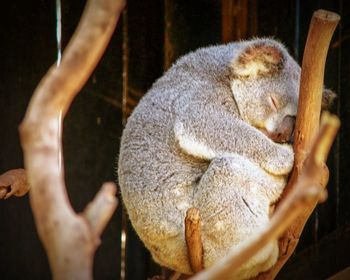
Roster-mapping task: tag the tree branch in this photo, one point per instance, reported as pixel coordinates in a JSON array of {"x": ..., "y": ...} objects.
[
  {"x": 322, "y": 26},
  {"x": 305, "y": 186},
  {"x": 193, "y": 239},
  {"x": 69, "y": 238}
]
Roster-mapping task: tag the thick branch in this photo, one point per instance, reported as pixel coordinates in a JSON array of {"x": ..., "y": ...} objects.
[
  {"x": 69, "y": 239},
  {"x": 322, "y": 26},
  {"x": 193, "y": 239},
  {"x": 304, "y": 187}
]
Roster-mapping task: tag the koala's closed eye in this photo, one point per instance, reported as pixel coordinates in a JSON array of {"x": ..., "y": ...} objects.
[{"x": 274, "y": 103}]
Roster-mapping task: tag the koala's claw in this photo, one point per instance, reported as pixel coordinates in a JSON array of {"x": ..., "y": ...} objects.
[{"x": 13, "y": 182}]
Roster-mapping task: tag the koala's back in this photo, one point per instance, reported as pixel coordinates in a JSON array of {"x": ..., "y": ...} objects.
[
  {"x": 155, "y": 176},
  {"x": 158, "y": 180},
  {"x": 149, "y": 153}
]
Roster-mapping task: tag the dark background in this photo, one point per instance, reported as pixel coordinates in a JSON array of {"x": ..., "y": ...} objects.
[{"x": 150, "y": 37}]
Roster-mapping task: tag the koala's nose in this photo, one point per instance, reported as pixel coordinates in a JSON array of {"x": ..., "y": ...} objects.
[{"x": 284, "y": 132}]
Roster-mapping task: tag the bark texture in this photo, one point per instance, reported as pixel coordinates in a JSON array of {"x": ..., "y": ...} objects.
[{"x": 70, "y": 239}]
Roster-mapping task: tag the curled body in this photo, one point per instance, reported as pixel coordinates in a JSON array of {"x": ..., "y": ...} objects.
[{"x": 210, "y": 134}]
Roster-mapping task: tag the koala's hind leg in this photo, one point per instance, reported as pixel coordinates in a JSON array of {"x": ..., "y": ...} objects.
[{"x": 233, "y": 207}]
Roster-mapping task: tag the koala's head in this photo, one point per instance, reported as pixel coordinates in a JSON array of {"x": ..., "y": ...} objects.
[{"x": 265, "y": 83}]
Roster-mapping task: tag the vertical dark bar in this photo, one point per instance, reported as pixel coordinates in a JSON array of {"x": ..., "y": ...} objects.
[
  {"x": 297, "y": 30},
  {"x": 234, "y": 20},
  {"x": 28, "y": 49},
  {"x": 168, "y": 44},
  {"x": 252, "y": 18},
  {"x": 344, "y": 110},
  {"x": 337, "y": 180},
  {"x": 143, "y": 54},
  {"x": 125, "y": 112},
  {"x": 277, "y": 19},
  {"x": 190, "y": 25},
  {"x": 125, "y": 74},
  {"x": 227, "y": 20}
]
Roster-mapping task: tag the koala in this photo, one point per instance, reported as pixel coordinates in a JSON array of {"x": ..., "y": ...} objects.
[{"x": 212, "y": 133}]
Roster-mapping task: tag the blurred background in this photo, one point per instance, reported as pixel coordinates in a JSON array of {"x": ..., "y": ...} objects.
[{"x": 150, "y": 36}]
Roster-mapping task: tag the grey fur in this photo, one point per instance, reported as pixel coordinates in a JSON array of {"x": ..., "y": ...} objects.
[{"x": 195, "y": 140}]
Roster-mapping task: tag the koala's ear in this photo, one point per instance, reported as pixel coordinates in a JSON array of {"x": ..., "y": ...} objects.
[
  {"x": 262, "y": 59},
  {"x": 328, "y": 97}
]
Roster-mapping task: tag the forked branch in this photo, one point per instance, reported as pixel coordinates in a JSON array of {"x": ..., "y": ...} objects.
[{"x": 70, "y": 239}]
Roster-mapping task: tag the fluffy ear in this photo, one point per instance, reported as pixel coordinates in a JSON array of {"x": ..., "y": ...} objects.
[
  {"x": 261, "y": 59},
  {"x": 328, "y": 97}
]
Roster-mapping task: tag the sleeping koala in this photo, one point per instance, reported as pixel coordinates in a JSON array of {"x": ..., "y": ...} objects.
[{"x": 211, "y": 133}]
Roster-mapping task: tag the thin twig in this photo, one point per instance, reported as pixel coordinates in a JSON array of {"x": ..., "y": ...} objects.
[{"x": 193, "y": 239}]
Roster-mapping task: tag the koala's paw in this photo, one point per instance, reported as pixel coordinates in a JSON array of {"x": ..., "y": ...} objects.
[{"x": 281, "y": 162}]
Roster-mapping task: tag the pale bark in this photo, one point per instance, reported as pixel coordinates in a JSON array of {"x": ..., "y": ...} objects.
[{"x": 70, "y": 239}]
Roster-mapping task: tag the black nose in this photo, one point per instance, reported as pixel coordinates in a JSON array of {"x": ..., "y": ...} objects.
[{"x": 284, "y": 132}]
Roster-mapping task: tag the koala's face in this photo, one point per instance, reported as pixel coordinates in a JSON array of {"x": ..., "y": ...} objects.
[{"x": 265, "y": 85}]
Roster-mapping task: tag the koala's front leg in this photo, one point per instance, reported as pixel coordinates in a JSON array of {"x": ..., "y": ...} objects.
[
  {"x": 234, "y": 207},
  {"x": 209, "y": 131}
]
